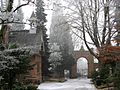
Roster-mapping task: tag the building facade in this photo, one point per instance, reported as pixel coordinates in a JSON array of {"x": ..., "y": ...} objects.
[{"x": 28, "y": 39}]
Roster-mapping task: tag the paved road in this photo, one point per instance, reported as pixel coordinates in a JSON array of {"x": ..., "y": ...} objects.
[{"x": 72, "y": 84}]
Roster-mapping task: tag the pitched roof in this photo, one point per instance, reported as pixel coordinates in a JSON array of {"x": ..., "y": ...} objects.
[{"x": 33, "y": 15}]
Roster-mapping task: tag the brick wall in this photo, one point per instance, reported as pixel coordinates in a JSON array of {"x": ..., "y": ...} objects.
[{"x": 35, "y": 74}]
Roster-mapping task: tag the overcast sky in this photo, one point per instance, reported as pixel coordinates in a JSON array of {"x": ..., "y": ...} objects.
[{"x": 28, "y": 9}]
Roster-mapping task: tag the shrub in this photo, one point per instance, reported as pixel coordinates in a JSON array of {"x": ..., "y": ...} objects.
[
  {"x": 116, "y": 78},
  {"x": 100, "y": 77},
  {"x": 31, "y": 87}
]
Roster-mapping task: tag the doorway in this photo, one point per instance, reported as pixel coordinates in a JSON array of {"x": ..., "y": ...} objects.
[{"x": 82, "y": 68}]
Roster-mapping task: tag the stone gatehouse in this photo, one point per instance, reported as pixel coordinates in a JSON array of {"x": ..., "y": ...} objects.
[{"x": 90, "y": 59}]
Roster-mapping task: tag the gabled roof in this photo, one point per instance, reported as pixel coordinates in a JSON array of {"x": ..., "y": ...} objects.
[
  {"x": 32, "y": 15},
  {"x": 82, "y": 48}
]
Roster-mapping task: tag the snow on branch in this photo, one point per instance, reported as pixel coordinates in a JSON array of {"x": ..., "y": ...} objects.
[{"x": 7, "y": 16}]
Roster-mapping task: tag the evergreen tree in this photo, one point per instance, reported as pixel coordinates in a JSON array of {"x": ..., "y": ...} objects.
[
  {"x": 45, "y": 63},
  {"x": 13, "y": 63},
  {"x": 60, "y": 34},
  {"x": 68, "y": 60},
  {"x": 55, "y": 58},
  {"x": 41, "y": 29}
]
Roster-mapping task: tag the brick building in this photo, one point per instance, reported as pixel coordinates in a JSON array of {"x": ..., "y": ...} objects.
[{"x": 30, "y": 39}]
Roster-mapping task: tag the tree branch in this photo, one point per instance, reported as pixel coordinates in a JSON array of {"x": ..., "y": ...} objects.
[{"x": 21, "y": 6}]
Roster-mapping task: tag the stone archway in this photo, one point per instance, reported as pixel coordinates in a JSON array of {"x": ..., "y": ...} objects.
[
  {"x": 90, "y": 59},
  {"x": 82, "y": 67}
]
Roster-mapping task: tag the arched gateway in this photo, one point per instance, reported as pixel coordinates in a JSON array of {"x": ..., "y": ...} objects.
[{"x": 88, "y": 56}]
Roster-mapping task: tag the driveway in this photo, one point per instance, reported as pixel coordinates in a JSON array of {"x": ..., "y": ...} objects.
[{"x": 71, "y": 84}]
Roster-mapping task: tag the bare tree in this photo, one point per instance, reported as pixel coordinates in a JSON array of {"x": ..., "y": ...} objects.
[
  {"x": 6, "y": 15},
  {"x": 94, "y": 19}
]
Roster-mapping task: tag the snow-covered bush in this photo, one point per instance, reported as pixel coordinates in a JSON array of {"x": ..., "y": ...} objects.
[
  {"x": 13, "y": 63},
  {"x": 55, "y": 57}
]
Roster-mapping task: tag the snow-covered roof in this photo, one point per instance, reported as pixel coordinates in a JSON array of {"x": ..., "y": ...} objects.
[{"x": 25, "y": 39}]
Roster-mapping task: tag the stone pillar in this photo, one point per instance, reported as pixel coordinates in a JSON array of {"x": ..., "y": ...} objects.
[
  {"x": 74, "y": 71},
  {"x": 90, "y": 66}
]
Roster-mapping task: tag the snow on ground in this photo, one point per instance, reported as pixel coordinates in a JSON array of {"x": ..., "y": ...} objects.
[{"x": 71, "y": 84}]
